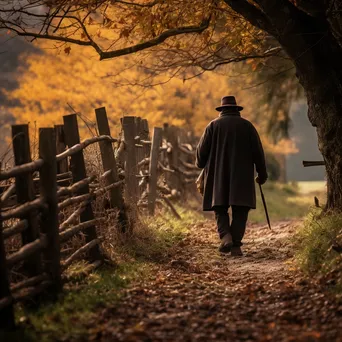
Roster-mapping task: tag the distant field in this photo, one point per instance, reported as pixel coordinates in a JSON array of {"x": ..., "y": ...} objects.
[
  {"x": 288, "y": 201},
  {"x": 307, "y": 187}
]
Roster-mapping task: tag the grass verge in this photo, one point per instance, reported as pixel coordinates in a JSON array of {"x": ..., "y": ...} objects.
[
  {"x": 319, "y": 248},
  {"x": 284, "y": 201},
  {"x": 71, "y": 317}
]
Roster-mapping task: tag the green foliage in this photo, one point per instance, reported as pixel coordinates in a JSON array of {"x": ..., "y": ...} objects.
[
  {"x": 315, "y": 241},
  {"x": 68, "y": 317}
]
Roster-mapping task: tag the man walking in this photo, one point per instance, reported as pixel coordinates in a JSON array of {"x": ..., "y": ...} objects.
[{"x": 229, "y": 149}]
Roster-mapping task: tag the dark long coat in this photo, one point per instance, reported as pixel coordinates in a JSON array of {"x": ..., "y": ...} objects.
[{"x": 229, "y": 149}]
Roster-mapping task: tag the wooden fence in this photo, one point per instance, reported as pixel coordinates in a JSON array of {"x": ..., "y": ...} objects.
[{"x": 137, "y": 171}]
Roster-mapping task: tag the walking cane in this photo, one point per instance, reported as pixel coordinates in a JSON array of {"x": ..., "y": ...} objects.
[{"x": 265, "y": 206}]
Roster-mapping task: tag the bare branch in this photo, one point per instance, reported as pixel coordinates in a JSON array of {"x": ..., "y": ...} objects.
[
  {"x": 151, "y": 4},
  {"x": 253, "y": 14},
  {"x": 156, "y": 41},
  {"x": 79, "y": 24}
]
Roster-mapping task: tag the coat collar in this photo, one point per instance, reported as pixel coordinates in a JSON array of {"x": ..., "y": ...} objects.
[{"x": 230, "y": 113}]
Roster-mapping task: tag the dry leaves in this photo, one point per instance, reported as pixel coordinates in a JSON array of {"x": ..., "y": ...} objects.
[{"x": 200, "y": 295}]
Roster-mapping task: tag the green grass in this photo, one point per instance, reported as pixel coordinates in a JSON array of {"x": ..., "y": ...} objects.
[
  {"x": 76, "y": 307},
  {"x": 155, "y": 236},
  {"x": 70, "y": 317},
  {"x": 284, "y": 201},
  {"x": 315, "y": 253}
]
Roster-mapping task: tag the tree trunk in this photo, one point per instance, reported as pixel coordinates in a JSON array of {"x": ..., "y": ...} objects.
[
  {"x": 327, "y": 117},
  {"x": 314, "y": 44},
  {"x": 322, "y": 83},
  {"x": 317, "y": 58}
]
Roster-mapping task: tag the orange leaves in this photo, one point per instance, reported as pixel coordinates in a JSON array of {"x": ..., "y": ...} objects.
[
  {"x": 125, "y": 33},
  {"x": 67, "y": 50},
  {"x": 253, "y": 63},
  {"x": 122, "y": 21}
]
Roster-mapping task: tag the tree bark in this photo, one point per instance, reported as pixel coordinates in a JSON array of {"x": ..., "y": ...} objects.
[
  {"x": 314, "y": 44},
  {"x": 323, "y": 88},
  {"x": 325, "y": 115}
]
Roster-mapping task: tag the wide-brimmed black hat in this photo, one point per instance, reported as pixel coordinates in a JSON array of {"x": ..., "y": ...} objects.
[{"x": 228, "y": 102}]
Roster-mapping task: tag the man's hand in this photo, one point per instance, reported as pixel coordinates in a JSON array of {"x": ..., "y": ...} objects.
[{"x": 260, "y": 181}]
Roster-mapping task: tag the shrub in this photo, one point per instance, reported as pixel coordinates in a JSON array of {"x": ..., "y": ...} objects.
[{"x": 319, "y": 247}]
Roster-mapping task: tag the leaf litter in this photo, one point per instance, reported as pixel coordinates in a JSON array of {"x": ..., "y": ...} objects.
[{"x": 201, "y": 295}]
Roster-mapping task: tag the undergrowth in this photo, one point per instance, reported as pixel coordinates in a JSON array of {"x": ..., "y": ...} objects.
[
  {"x": 131, "y": 257},
  {"x": 154, "y": 237},
  {"x": 319, "y": 248}
]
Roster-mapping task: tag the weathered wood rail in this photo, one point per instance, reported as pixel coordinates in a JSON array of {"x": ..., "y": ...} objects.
[
  {"x": 307, "y": 163},
  {"x": 33, "y": 194}
]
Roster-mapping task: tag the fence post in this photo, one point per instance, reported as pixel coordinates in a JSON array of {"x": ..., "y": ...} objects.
[
  {"x": 78, "y": 170},
  {"x": 171, "y": 136},
  {"x": 62, "y": 166},
  {"x": 145, "y": 135},
  {"x": 109, "y": 163},
  {"x": 140, "y": 151},
  {"x": 25, "y": 192},
  {"x": 153, "y": 177},
  {"x": 6, "y": 308},
  {"x": 128, "y": 125},
  {"x": 48, "y": 190}
]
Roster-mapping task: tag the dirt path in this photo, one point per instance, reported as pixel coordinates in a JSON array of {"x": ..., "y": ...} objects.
[{"x": 201, "y": 295}]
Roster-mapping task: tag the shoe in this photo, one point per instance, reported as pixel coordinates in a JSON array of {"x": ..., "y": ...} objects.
[
  {"x": 226, "y": 244},
  {"x": 236, "y": 251}
]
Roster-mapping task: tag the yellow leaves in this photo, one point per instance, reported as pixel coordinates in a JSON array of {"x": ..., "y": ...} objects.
[
  {"x": 82, "y": 81},
  {"x": 107, "y": 22},
  {"x": 284, "y": 146}
]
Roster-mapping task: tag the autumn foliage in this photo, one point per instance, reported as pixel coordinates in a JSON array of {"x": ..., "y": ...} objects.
[
  {"x": 57, "y": 82},
  {"x": 167, "y": 80}
]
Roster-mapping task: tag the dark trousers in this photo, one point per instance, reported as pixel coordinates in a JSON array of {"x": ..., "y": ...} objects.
[{"x": 238, "y": 225}]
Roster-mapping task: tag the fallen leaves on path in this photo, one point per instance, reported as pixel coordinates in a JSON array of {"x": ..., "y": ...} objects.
[{"x": 200, "y": 295}]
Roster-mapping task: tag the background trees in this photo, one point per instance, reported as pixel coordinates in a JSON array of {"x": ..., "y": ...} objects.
[{"x": 52, "y": 84}]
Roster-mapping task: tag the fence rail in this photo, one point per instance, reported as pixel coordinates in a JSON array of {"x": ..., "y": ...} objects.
[
  {"x": 137, "y": 170},
  {"x": 307, "y": 163}
]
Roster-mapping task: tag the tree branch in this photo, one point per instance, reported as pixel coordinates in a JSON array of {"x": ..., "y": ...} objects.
[
  {"x": 269, "y": 53},
  {"x": 313, "y": 8},
  {"x": 156, "y": 41},
  {"x": 253, "y": 14},
  {"x": 90, "y": 42},
  {"x": 151, "y": 4}
]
